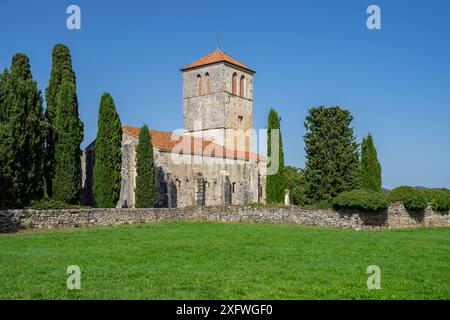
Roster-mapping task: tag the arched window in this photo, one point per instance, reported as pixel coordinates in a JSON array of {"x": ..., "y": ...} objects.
[
  {"x": 242, "y": 87},
  {"x": 208, "y": 86},
  {"x": 199, "y": 85},
  {"x": 234, "y": 84}
]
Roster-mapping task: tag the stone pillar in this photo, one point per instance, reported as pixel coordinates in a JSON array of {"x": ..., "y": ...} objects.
[
  {"x": 225, "y": 188},
  {"x": 287, "y": 198},
  {"x": 199, "y": 189}
]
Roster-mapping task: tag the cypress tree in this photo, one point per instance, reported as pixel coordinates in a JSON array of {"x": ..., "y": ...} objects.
[
  {"x": 108, "y": 155},
  {"x": 370, "y": 166},
  {"x": 20, "y": 67},
  {"x": 5, "y": 151},
  {"x": 332, "y": 157},
  {"x": 61, "y": 71},
  {"x": 3, "y": 76},
  {"x": 68, "y": 137},
  {"x": 275, "y": 183},
  {"x": 145, "y": 167},
  {"x": 22, "y": 133}
]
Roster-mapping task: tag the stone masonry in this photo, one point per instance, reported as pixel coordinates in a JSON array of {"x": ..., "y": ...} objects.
[
  {"x": 218, "y": 114},
  {"x": 394, "y": 217}
]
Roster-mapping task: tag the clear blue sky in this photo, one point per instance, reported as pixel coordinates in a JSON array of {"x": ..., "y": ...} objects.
[{"x": 395, "y": 81}]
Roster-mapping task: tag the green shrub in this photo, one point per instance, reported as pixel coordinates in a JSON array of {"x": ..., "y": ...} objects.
[
  {"x": 361, "y": 199},
  {"x": 50, "y": 204},
  {"x": 437, "y": 198},
  {"x": 298, "y": 196},
  {"x": 411, "y": 197},
  {"x": 323, "y": 204},
  {"x": 295, "y": 181}
]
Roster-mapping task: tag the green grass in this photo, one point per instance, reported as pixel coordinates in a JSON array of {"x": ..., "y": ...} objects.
[{"x": 187, "y": 260}]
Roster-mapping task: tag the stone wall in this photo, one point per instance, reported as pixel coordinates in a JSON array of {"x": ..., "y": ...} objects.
[
  {"x": 176, "y": 178},
  {"x": 395, "y": 217}
]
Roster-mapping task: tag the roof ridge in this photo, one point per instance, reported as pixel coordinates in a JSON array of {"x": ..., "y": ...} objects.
[
  {"x": 162, "y": 141},
  {"x": 216, "y": 56}
]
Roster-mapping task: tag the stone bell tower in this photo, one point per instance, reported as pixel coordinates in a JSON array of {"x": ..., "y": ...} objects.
[{"x": 218, "y": 100}]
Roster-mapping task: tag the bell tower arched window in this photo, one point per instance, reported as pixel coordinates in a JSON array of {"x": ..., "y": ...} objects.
[
  {"x": 207, "y": 84},
  {"x": 199, "y": 85},
  {"x": 242, "y": 87},
  {"x": 234, "y": 84}
]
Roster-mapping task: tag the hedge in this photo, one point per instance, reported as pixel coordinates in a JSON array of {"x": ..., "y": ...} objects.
[
  {"x": 361, "y": 199},
  {"x": 412, "y": 198},
  {"x": 437, "y": 198}
]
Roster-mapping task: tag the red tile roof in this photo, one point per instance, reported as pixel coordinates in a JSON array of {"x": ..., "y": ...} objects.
[
  {"x": 215, "y": 57},
  {"x": 171, "y": 142}
]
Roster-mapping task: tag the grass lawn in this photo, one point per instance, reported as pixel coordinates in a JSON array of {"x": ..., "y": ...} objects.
[{"x": 189, "y": 260}]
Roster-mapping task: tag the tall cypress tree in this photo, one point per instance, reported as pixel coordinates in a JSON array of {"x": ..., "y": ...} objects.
[
  {"x": 275, "y": 183},
  {"x": 332, "y": 157},
  {"x": 5, "y": 140},
  {"x": 370, "y": 166},
  {"x": 3, "y": 76},
  {"x": 145, "y": 167},
  {"x": 61, "y": 71},
  {"x": 22, "y": 133},
  {"x": 68, "y": 128},
  {"x": 108, "y": 155}
]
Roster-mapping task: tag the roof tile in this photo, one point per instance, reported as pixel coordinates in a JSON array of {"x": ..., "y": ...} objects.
[
  {"x": 171, "y": 142},
  {"x": 215, "y": 57}
]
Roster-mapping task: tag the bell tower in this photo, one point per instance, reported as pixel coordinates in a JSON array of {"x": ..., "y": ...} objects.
[{"x": 218, "y": 100}]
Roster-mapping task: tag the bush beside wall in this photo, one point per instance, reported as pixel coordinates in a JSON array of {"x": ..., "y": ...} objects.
[
  {"x": 412, "y": 198},
  {"x": 438, "y": 199},
  {"x": 366, "y": 200}
]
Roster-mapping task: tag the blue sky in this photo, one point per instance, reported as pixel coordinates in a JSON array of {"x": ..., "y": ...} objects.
[{"x": 395, "y": 81}]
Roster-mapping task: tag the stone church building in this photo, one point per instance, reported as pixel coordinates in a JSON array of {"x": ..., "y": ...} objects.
[{"x": 211, "y": 161}]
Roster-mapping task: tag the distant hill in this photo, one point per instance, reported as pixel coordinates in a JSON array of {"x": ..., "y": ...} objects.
[
  {"x": 419, "y": 188},
  {"x": 424, "y": 188}
]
